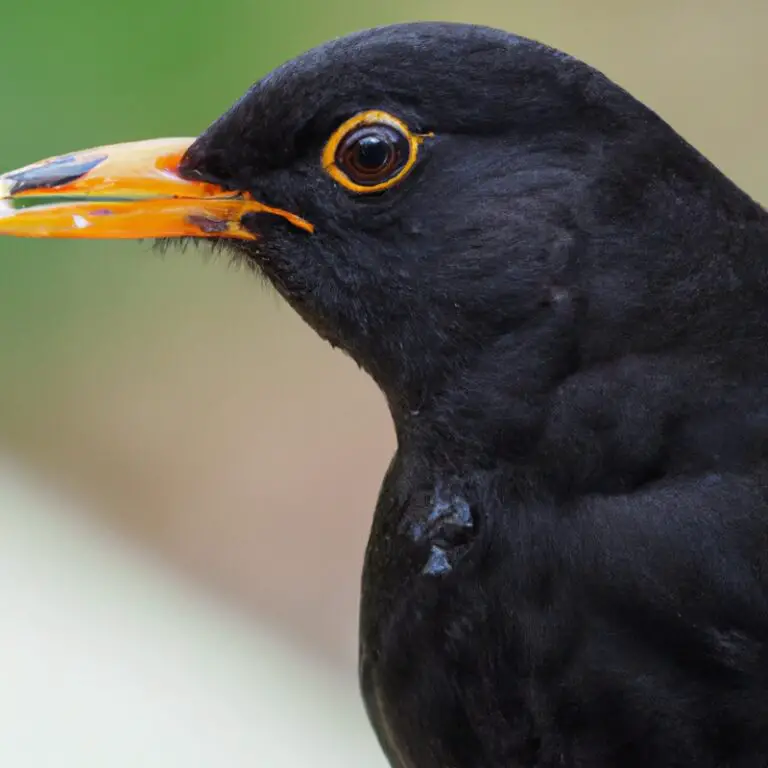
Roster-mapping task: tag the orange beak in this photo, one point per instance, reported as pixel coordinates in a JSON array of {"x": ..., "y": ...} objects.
[{"x": 127, "y": 191}]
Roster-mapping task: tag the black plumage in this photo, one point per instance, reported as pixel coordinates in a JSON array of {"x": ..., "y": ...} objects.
[{"x": 566, "y": 307}]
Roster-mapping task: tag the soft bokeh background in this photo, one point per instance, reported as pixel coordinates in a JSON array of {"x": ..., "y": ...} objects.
[{"x": 176, "y": 399}]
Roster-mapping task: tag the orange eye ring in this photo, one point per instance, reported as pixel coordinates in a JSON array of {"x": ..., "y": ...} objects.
[{"x": 371, "y": 152}]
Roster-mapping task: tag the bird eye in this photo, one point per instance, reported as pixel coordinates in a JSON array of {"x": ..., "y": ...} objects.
[{"x": 371, "y": 152}]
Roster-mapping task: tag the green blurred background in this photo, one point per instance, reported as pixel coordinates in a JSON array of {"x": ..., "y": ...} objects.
[{"x": 180, "y": 397}]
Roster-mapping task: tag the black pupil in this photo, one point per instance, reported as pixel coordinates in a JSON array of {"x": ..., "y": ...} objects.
[{"x": 372, "y": 153}]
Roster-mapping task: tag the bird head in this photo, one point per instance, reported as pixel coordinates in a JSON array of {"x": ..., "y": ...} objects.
[{"x": 446, "y": 203}]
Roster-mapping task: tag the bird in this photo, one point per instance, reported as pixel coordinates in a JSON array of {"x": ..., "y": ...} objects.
[{"x": 565, "y": 306}]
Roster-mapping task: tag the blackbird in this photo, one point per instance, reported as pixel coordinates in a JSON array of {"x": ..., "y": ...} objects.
[{"x": 566, "y": 308}]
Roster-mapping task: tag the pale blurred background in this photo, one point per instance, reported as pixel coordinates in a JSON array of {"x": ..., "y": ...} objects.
[{"x": 201, "y": 436}]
